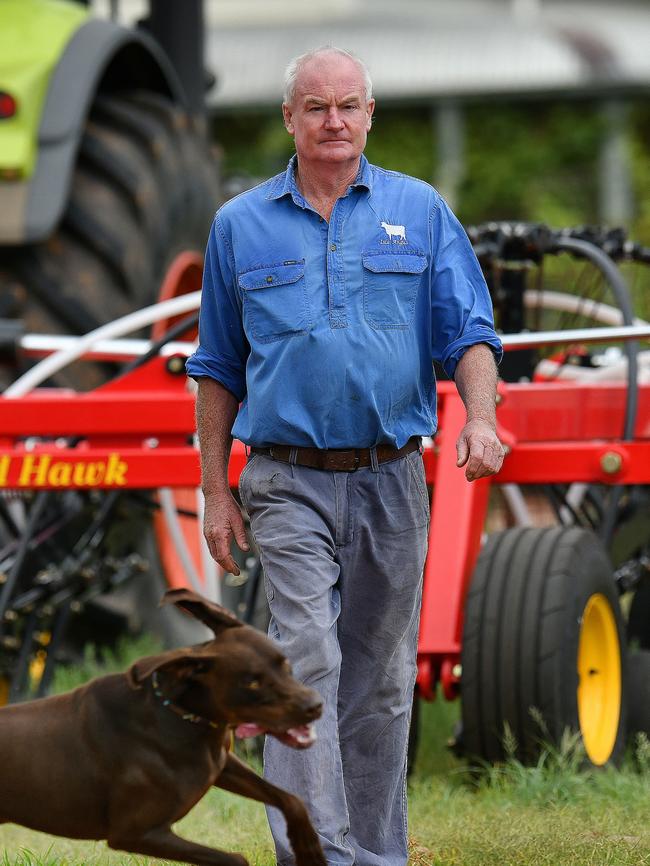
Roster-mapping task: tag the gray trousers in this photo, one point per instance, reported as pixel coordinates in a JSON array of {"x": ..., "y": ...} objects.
[{"x": 343, "y": 554}]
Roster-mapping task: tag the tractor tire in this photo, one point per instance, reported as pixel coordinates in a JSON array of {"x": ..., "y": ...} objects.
[
  {"x": 638, "y": 675},
  {"x": 543, "y": 648},
  {"x": 144, "y": 189}
]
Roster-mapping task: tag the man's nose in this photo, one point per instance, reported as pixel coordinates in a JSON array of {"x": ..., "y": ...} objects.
[{"x": 333, "y": 119}]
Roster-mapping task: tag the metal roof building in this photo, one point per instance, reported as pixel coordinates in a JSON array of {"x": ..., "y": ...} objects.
[{"x": 432, "y": 49}]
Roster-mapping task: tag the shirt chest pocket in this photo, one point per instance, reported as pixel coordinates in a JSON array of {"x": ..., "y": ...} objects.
[
  {"x": 390, "y": 287},
  {"x": 275, "y": 301}
]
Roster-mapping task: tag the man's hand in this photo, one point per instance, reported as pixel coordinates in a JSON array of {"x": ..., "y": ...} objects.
[
  {"x": 223, "y": 521},
  {"x": 479, "y": 450}
]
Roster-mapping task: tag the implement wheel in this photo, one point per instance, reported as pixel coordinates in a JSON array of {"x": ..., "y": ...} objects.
[{"x": 543, "y": 647}]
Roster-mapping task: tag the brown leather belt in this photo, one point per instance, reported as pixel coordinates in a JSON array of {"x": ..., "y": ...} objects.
[{"x": 336, "y": 459}]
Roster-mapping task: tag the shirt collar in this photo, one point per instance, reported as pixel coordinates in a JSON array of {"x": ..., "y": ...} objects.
[
  {"x": 286, "y": 183},
  {"x": 364, "y": 175}
]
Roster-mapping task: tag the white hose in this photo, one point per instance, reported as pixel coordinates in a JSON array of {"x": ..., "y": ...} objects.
[
  {"x": 567, "y": 303},
  {"x": 103, "y": 350},
  {"x": 131, "y": 322},
  {"x": 79, "y": 346}
]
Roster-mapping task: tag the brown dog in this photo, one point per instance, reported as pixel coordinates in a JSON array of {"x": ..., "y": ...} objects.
[{"x": 125, "y": 756}]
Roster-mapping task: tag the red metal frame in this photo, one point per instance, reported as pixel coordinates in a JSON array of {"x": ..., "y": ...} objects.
[{"x": 137, "y": 432}]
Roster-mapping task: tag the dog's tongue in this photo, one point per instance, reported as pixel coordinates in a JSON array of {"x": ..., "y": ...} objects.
[
  {"x": 248, "y": 729},
  {"x": 300, "y": 737}
]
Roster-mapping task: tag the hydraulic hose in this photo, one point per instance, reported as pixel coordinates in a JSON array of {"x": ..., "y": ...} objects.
[
  {"x": 117, "y": 328},
  {"x": 564, "y": 302}
]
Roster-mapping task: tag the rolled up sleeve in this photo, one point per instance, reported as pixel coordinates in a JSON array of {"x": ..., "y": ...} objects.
[
  {"x": 461, "y": 308},
  {"x": 223, "y": 347}
]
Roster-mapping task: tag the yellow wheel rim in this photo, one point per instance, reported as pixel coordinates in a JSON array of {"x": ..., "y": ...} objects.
[{"x": 599, "y": 679}]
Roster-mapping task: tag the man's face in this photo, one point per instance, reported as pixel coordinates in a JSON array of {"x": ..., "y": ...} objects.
[{"x": 328, "y": 115}]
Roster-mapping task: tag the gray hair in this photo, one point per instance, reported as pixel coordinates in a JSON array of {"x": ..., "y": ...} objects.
[{"x": 295, "y": 65}]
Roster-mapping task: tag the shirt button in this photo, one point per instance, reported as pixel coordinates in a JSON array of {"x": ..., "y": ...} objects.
[
  {"x": 333, "y": 247},
  {"x": 269, "y": 279}
]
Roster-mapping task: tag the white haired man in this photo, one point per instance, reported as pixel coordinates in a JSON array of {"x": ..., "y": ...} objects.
[{"x": 328, "y": 292}]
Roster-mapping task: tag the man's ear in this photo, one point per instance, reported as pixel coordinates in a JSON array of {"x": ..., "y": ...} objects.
[
  {"x": 370, "y": 107},
  {"x": 287, "y": 114},
  {"x": 183, "y": 663},
  {"x": 213, "y": 615}
]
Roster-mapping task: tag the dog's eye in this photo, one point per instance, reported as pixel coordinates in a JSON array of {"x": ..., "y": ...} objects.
[{"x": 253, "y": 684}]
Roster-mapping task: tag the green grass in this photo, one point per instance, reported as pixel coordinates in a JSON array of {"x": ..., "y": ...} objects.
[
  {"x": 505, "y": 816},
  {"x": 111, "y": 661},
  {"x": 551, "y": 813}
]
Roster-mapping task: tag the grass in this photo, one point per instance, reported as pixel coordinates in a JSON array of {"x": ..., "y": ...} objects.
[{"x": 511, "y": 815}]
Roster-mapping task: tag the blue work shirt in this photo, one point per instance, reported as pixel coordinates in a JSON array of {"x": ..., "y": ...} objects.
[{"x": 326, "y": 332}]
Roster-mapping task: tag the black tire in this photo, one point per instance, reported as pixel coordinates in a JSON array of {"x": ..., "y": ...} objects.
[
  {"x": 521, "y": 638},
  {"x": 144, "y": 189},
  {"x": 638, "y": 677}
]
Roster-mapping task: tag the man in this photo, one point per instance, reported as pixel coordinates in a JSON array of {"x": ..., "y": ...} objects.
[{"x": 328, "y": 291}]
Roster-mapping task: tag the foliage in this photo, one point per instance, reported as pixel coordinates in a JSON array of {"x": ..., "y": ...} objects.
[
  {"x": 99, "y": 662},
  {"x": 534, "y": 161},
  {"x": 640, "y": 137},
  {"x": 531, "y": 162}
]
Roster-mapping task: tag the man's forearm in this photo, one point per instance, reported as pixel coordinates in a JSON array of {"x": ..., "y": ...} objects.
[
  {"x": 478, "y": 446},
  {"x": 216, "y": 410},
  {"x": 476, "y": 380}
]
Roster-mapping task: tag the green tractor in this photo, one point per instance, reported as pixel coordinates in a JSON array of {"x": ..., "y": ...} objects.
[{"x": 105, "y": 170}]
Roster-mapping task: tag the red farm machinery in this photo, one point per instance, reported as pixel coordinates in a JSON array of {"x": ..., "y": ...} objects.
[{"x": 536, "y": 607}]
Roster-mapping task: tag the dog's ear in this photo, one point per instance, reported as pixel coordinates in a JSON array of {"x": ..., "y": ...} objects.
[
  {"x": 185, "y": 663},
  {"x": 213, "y": 615}
]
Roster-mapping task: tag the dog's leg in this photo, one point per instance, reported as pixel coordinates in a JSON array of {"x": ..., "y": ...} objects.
[
  {"x": 163, "y": 843},
  {"x": 240, "y": 779}
]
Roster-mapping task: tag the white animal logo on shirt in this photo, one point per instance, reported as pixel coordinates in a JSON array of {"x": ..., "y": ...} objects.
[{"x": 394, "y": 231}]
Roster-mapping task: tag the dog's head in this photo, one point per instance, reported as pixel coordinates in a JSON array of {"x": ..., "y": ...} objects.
[{"x": 239, "y": 678}]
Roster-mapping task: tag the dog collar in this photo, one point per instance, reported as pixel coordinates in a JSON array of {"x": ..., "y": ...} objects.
[{"x": 179, "y": 711}]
